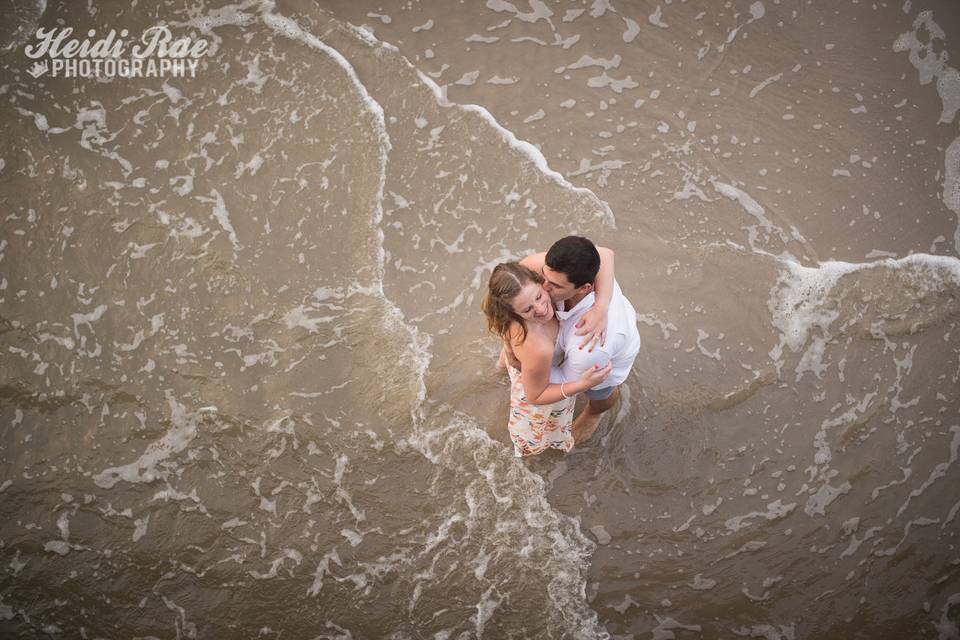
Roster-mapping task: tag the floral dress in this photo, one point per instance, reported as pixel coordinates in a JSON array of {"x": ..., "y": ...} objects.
[{"x": 535, "y": 428}]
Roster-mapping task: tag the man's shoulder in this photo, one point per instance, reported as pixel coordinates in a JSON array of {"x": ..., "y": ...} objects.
[{"x": 619, "y": 301}]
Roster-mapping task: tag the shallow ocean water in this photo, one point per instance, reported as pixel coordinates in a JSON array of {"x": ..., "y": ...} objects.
[{"x": 246, "y": 386}]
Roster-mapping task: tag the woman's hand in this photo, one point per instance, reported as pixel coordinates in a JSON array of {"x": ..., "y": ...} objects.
[
  {"x": 595, "y": 375},
  {"x": 593, "y": 327}
]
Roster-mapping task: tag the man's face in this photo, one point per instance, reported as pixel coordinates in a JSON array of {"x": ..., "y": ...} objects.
[{"x": 559, "y": 287}]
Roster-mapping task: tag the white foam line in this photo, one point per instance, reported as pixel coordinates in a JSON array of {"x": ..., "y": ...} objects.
[
  {"x": 947, "y": 263},
  {"x": 419, "y": 344},
  {"x": 289, "y": 28},
  {"x": 797, "y": 300},
  {"x": 522, "y": 146},
  {"x": 797, "y": 308}
]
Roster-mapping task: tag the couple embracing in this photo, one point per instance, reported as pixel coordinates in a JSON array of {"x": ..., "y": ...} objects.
[{"x": 566, "y": 329}]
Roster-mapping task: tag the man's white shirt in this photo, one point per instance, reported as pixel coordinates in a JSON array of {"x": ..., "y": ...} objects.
[{"x": 621, "y": 345}]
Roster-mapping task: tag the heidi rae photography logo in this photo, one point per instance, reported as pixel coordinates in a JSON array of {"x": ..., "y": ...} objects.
[{"x": 156, "y": 54}]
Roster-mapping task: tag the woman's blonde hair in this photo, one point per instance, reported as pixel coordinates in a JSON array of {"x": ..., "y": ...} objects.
[{"x": 506, "y": 281}]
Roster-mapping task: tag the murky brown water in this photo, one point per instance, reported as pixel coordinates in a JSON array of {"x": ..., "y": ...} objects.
[{"x": 246, "y": 391}]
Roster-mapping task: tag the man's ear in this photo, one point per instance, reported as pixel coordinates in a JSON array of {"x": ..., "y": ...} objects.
[{"x": 585, "y": 288}]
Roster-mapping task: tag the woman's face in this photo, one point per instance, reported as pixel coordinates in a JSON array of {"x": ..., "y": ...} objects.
[{"x": 533, "y": 303}]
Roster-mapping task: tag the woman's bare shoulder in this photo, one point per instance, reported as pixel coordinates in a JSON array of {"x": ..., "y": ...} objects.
[{"x": 536, "y": 344}]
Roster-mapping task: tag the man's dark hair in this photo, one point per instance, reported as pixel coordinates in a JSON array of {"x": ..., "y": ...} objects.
[{"x": 575, "y": 257}]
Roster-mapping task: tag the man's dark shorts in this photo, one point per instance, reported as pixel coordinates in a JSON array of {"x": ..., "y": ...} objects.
[{"x": 599, "y": 394}]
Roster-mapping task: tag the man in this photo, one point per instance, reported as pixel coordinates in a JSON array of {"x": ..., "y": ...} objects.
[{"x": 589, "y": 303}]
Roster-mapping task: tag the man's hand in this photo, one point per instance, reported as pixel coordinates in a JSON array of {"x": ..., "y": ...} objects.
[{"x": 593, "y": 326}]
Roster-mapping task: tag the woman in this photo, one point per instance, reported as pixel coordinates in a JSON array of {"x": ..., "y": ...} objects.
[{"x": 519, "y": 311}]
